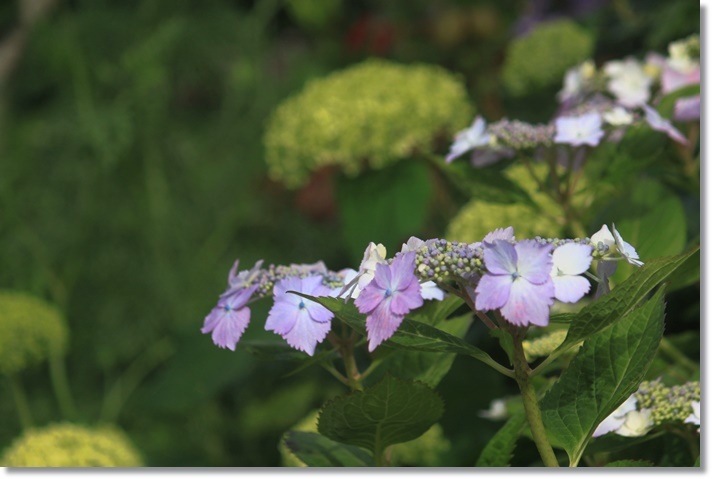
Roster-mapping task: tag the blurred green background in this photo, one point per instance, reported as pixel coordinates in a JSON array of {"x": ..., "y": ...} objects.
[{"x": 132, "y": 174}]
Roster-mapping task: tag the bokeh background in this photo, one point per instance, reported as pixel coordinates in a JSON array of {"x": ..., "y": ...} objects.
[{"x": 133, "y": 173}]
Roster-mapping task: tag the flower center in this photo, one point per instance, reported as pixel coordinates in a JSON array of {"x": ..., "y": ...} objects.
[
  {"x": 388, "y": 292},
  {"x": 302, "y": 305},
  {"x": 515, "y": 275},
  {"x": 227, "y": 308}
]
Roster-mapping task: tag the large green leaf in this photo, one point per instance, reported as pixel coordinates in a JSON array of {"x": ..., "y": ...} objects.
[
  {"x": 433, "y": 312},
  {"x": 608, "y": 309},
  {"x": 315, "y": 450},
  {"x": 411, "y": 334},
  {"x": 498, "y": 451},
  {"x": 605, "y": 372},
  {"x": 385, "y": 206},
  {"x": 392, "y": 411},
  {"x": 630, "y": 463},
  {"x": 426, "y": 367}
]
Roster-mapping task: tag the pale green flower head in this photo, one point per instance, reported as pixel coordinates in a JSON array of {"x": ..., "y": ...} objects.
[
  {"x": 72, "y": 445},
  {"x": 30, "y": 331},
  {"x": 541, "y": 57},
  {"x": 366, "y": 116}
]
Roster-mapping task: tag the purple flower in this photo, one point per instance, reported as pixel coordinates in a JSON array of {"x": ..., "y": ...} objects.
[
  {"x": 517, "y": 282},
  {"x": 392, "y": 294},
  {"x": 659, "y": 123},
  {"x": 301, "y": 322},
  {"x": 240, "y": 280},
  {"x": 687, "y": 109},
  {"x": 579, "y": 130},
  {"x": 468, "y": 139},
  {"x": 571, "y": 260},
  {"x": 229, "y": 318}
]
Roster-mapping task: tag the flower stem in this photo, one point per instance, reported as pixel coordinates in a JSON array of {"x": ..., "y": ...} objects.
[
  {"x": 58, "y": 376},
  {"x": 522, "y": 374},
  {"x": 23, "y": 408}
]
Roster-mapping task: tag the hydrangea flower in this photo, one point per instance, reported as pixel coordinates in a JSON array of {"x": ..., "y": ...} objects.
[
  {"x": 687, "y": 109},
  {"x": 694, "y": 418},
  {"x": 428, "y": 289},
  {"x": 469, "y": 138},
  {"x": 628, "y": 82},
  {"x": 392, "y": 294},
  {"x": 575, "y": 80},
  {"x": 659, "y": 123},
  {"x": 579, "y": 130},
  {"x": 228, "y": 320},
  {"x": 636, "y": 424},
  {"x": 240, "y": 280},
  {"x": 517, "y": 282},
  {"x": 496, "y": 412},
  {"x": 618, "y": 116},
  {"x": 374, "y": 254},
  {"x": 301, "y": 322},
  {"x": 571, "y": 260},
  {"x": 616, "y": 419},
  {"x": 626, "y": 250}
]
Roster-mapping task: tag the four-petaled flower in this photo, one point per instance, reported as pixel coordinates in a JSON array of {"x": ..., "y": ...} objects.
[
  {"x": 570, "y": 261},
  {"x": 579, "y": 130},
  {"x": 469, "y": 138},
  {"x": 228, "y": 320},
  {"x": 518, "y": 282},
  {"x": 615, "y": 239},
  {"x": 301, "y": 322},
  {"x": 392, "y": 294}
]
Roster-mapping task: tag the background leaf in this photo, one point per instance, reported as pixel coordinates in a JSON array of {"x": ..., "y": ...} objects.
[
  {"x": 315, "y": 450},
  {"x": 606, "y": 371},
  {"x": 629, "y": 463},
  {"x": 390, "y": 412},
  {"x": 498, "y": 452}
]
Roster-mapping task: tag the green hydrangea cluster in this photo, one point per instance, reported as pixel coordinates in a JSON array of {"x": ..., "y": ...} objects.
[
  {"x": 72, "y": 445},
  {"x": 30, "y": 330},
  {"x": 543, "y": 345},
  {"x": 365, "y": 116},
  {"x": 541, "y": 58},
  {"x": 477, "y": 217},
  {"x": 667, "y": 403}
]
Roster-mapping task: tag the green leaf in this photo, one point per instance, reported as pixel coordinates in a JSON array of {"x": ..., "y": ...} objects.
[
  {"x": 487, "y": 184},
  {"x": 498, "y": 451},
  {"x": 666, "y": 107},
  {"x": 697, "y": 462},
  {"x": 390, "y": 412},
  {"x": 605, "y": 372},
  {"x": 630, "y": 463},
  {"x": 394, "y": 201},
  {"x": 426, "y": 367},
  {"x": 315, "y": 450},
  {"x": 411, "y": 334},
  {"x": 608, "y": 309},
  {"x": 436, "y": 311}
]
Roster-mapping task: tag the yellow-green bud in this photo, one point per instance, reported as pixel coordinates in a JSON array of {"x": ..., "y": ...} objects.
[
  {"x": 30, "y": 330},
  {"x": 72, "y": 445}
]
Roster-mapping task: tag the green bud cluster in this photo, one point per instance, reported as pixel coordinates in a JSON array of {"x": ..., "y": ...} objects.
[
  {"x": 439, "y": 260},
  {"x": 72, "y": 445},
  {"x": 522, "y": 136},
  {"x": 667, "y": 404},
  {"x": 543, "y": 345},
  {"x": 30, "y": 331},
  {"x": 540, "y": 58},
  {"x": 365, "y": 116}
]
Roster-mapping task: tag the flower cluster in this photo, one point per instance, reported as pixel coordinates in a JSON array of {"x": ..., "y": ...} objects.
[{"x": 654, "y": 404}]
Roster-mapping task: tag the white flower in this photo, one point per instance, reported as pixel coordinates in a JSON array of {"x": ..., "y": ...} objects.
[
  {"x": 469, "y": 138},
  {"x": 570, "y": 260},
  {"x": 618, "y": 116},
  {"x": 616, "y": 240},
  {"x": 353, "y": 284},
  {"x": 628, "y": 82},
  {"x": 694, "y": 418},
  {"x": 637, "y": 423},
  {"x": 579, "y": 130},
  {"x": 616, "y": 419},
  {"x": 496, "y": 412}
]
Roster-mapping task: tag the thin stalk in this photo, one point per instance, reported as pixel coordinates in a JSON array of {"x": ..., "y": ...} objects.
[
  {"x": 353, "y": 376},
  {"x": 23, "y": 408},
  {"x": 332, "y": 370},
  {"x": 60, "y": 385},
  {"x": 522, "y": 374}
]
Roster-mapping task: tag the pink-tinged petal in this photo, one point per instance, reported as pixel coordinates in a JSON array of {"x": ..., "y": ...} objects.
[
  {"x": 306, "y": 334},
  {"x": 492, "y": 291},
  {"x": 318, "y": 313},
  {"x": 570, "y": 289},
  {"x": 312, "y": 285},
  {"x": 687, "y": 109},
  {"x": 672, "y": 79},
  {"x": 283, "y": 317},
  {"x": 403, "y": 302},
  {"x": 287, "y": 284},
  {"x": 534, "y": 261},
  {"x": 571, "y": 258},
  {"x": 506, "y": 234},
  {"x": 381, "y": 325},
  {"x": 500, "y": 257},
  {"x": 382, "y": 277},
  {"x": 213, "y": 318},
  {"x": 403, "y": 271},
  {"x": 369, "y": 298},
  {"x": 229, "y": 330},
  {"x": 529, "y": 303}
]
